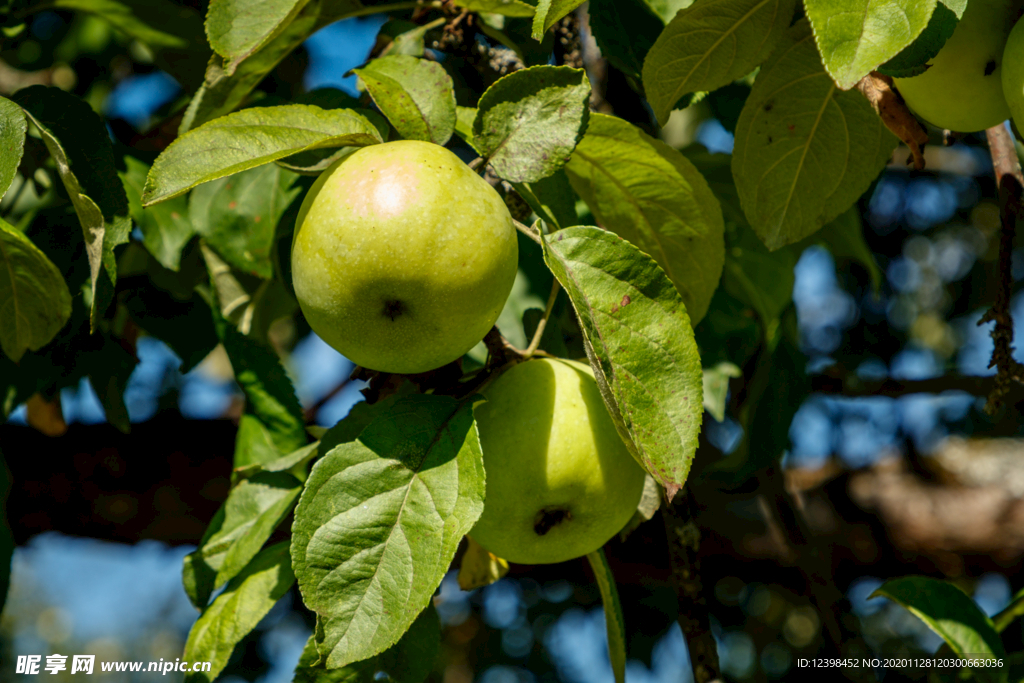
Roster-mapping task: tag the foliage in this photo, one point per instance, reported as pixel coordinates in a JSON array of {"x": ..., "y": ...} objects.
[{"x": 669, "y": 259}]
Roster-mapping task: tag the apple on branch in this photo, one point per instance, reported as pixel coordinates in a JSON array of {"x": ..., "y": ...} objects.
[
  {"x": 560, "y": 482},
  {"x": 962, "y": 90},
  {"x": 403, "y": 257}
]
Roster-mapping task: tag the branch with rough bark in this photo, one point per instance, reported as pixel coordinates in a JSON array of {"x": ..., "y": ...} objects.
[
  {"x": 849, "y": 384},
  {"x": 683, "y": 546},
  {"x": 1010, "y": 182}
]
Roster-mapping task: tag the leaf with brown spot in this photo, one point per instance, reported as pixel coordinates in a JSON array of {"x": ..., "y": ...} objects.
[{"x": 644, "y": 357}]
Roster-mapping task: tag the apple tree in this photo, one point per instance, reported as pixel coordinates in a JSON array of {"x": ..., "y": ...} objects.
[{"x": 671, "y": 276}]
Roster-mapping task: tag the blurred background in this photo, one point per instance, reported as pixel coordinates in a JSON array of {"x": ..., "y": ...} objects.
[{"x": 891, "y": 484}]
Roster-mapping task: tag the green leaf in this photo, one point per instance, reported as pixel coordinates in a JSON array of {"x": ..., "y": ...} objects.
[
  {"x": 415, "y": 94},
  {"x": 650, "y": 194},
  {"x": 237, "y": 28},
  {"x": 786, "y": 387},
  {"x": 12, "y": 141},
  {"x": 625, "y": 30},
  {"x": 77, "y": 140},
  {"x": 762, "y": 280},
  {"x": 614, "y": 621},
  {"x": 552, "y": 199},
  {"x": 238, "y": 215},
  {"x": 716, "y": 387},
  {"x": 269, "y": 393},
  {"x": 957, "y": 7},
  {"x": 464, "y": 117},
  {"x": 528, "y": 122},
  {"x": 285, "y": 463},
  {"x": 640, "y": 343},
  {"x": 913, "y": 59},
  {"x": 184, "y": 325},
  {"x": 246, "y": 301},
  {"x": 34, "y": 299},
  {"x": 949, "y": 612},
  {"x": 251, "y": 138},
  {"x": 253, "y": 509},
  {"x": 379, "y": 522},
  {"x": 236, "y": 611},
  {"x": 410, "y": 660},
  {"x": 508, "y": 8},
  {"x": 174, "y": 32},
  {"x": 855, "y": 37},
  {"x": 165, "y": 227},
  {"x": 316, "y": 161},
  {"x": 158, "y": 23},
  {"x": 805, "y": 151},
  {"x": 110, "y": 366},
  {"x": 710, "y": 44},
  {"x": 223, "y": 90},
  {"x": 549, "y": 13},
  {"x": 667, "y": 9}
]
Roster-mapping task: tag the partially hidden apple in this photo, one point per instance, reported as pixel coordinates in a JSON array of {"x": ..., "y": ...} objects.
[
  {"x": 402, "y": 257},
  {"x": 962, "y": 90},
  {"x": 1013, "y": 74},
  {"x": 560, "y": 482}
]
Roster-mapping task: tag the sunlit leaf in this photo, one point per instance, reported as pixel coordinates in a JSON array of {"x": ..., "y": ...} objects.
[
  {"x": 236, "y": 611},
  {"x": 855, "y": 36},
  {"x": 954, "y": 616},
  {"x": 528, "y": 123},
  {"x": 251, "y": 138},
  {"x": 649, "y": 193},
  {"x": 710, "y": 44},
  {"x": 640, "y": 344},
  {"x": 415, "y": 94},
  {"x": 379, "y": 521},
  {"x": 805, "y": 150}
]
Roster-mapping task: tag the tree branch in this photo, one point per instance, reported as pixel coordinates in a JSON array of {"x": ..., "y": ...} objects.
[
  {"x": 848, "y": 384},
  {"x": 683, "y": 545},
  {"x": 1010, "y": 182}
]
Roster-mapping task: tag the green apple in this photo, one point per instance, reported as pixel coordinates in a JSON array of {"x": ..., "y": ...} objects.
[
  {"x": 402, "y": 257},
  {"x": 1013, "y": 74},
  {"x": 962, "y": 90},
  {"x": 560, "y": 482}
]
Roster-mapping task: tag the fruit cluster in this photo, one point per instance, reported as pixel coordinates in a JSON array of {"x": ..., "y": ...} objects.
[
  {"x": 402, "y": 260},
  {"x": 976, "y": 80}
]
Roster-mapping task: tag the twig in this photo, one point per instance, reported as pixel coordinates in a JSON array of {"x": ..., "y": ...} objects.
[
  {"x": 528, "y": 231},
  {"x": 694, "y": 620},
  {"x": 539, "y": 332},
  {"x": 311, "y": 411},
  {"x": 851, "y": 385},
  {"x": 1010, "y": 182}
]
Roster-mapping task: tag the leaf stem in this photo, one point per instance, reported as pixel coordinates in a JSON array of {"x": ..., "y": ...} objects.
[
  {"x": 612, "y": 613},
  {"x": 1012, "y": 611},
  {"x": 528, "y": 231},
  {"x": 535, "y": 342}
]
